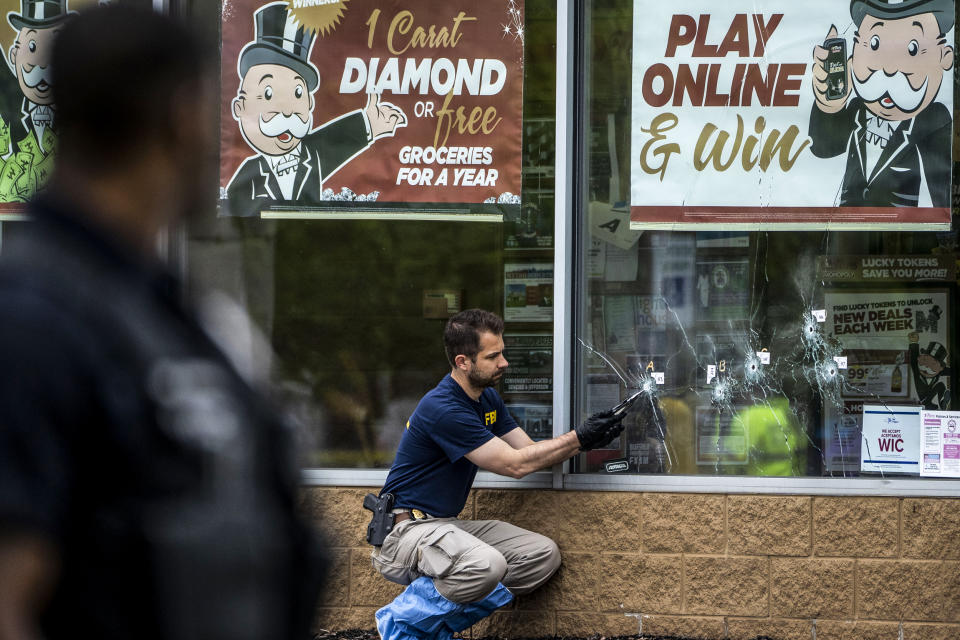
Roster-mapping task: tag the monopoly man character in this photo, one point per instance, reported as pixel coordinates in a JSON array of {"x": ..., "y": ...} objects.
[
  {"x": 896, "y": 137},
  {"x": 274, "y": 108},
  {"x": 458, "y": 570},
  {"x": 931, "y": 375},
  {"x": 27, "y": 145}
]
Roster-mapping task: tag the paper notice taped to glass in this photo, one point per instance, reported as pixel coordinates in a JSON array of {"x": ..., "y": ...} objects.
[
  {"x": 891, "y": 439},
  {"x": 940, "y": 444}
]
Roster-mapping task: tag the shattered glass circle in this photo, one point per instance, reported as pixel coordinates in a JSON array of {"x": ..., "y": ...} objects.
[
  {"x": 752, "y": 369},
  {"x": 828, "y": 372},
  {"x": 811, "y": 330},
  {"x": 721, "y": 392}
]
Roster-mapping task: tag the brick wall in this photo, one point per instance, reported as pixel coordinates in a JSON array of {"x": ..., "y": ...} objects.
[{"x": 709, "y": 566}]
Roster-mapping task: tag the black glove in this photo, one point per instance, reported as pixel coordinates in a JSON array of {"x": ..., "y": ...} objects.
[{"x": 599, "y": 430}]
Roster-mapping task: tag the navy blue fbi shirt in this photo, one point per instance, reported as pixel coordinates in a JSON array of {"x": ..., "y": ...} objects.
[{"x": 430, "y": 471}]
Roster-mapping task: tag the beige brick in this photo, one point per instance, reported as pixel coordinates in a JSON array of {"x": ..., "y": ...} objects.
[
  {"x": 572, "y": 588},
  {"x": 856, "y": 630},
  {"x": 753, "y": 628},
  {"x": 811, "y": 588},
  {"x": 683, "y": 523},
  {"x": 576, "y": 521},
  {"x": 585, "y": 625},
  {"x": 687, "y": 627},
  {"x": 470, "y": 507},
  {"x": 515, "y": 624},
  {"x": 855, "y": 527},
  {"x": 336, "y": 588},
  {"x": 931, "y": 528},
  {"x": 539, "y": 600},
  {"x": 368, "y": 588},
  {"x": 909, "y": 590},
  {"x": 641, "y": 584},
  {"x": 598, "y": 521},
  {"x": 916, "y": 631},
  {"x": 338, "y": 513},
  {"x": 342, "y": 619},
  {"x": 532, "y": 510},
  {"x": 769, "y": 525},
  {"x": 726, "y": 586}
]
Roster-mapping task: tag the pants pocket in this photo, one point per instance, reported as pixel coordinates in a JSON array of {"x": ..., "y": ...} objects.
[
  {"x": 440, "y": 552},
  {"x": 388, "y": 562}
]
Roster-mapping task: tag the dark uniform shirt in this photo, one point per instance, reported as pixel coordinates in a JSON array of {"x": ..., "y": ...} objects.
[
  {"x": 430, "y": 471},
  {"x": 130, "y": 442}
]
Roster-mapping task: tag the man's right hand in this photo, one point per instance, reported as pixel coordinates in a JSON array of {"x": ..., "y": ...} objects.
[
  {"x": 824, "y": 103},
  {"x": 599, "y": 430}
]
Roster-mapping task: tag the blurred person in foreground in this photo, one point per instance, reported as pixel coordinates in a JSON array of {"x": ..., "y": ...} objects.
[{"x": 146, "y": 490}]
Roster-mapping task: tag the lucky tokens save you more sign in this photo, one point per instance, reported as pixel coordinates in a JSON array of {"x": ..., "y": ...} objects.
[{"x": 392, "y": 104}]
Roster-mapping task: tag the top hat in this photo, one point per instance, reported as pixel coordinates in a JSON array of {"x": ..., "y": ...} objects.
[
  {"x": 39, "y": 14},
  {"x": 938, "y": 352},
  {"x": 942, "y": 10},
  {"x": 280, "y": 40}
]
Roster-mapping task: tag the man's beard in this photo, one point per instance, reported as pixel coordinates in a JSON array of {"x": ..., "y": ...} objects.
[{"x": 480, "y": 381}]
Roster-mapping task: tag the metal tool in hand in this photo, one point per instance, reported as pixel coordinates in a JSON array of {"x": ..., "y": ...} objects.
[{"x": 624, "y": 406}]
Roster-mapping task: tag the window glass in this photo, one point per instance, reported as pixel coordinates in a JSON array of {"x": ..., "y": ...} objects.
[
  {"x": 721, "y": 330},
  {"x": 353, "y": 310}
]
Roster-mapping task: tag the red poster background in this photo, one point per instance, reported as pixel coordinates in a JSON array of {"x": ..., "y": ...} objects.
[
  {"x": 376, "y": 168},
  {"x": 699, "y": 218}
]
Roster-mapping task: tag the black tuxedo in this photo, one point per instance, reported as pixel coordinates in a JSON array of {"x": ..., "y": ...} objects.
[
  {"x": 921, "y": 144},
  {"x": 931, "y": 392},
  {"x": 323, "y": 151}
]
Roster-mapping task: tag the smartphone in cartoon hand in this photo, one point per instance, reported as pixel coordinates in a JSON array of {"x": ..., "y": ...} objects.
[{"x": 836, "y": 67}]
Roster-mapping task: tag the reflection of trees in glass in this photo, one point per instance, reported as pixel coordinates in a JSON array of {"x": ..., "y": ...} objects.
[{"x": 349, "y": 318}]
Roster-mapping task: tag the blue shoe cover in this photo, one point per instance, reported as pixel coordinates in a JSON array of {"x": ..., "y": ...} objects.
[
  {"x": 471, "y": 612},
  {"x": 417, "y": 613},
  {"x": 421, "y": 613}
]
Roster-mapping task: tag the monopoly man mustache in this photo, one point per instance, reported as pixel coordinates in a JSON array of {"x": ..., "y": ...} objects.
[
  {"x": 36, "y": 75},
  {"x": 878, "y": 83},
  {"x": 281, "y": 123}
]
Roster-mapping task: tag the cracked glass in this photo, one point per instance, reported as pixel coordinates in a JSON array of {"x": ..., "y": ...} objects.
[{"x": 754, "y": 353}]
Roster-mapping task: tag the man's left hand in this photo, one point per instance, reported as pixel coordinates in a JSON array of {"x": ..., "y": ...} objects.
[
  {"x": 384, "y": 118},
  {"x": 599, "y": 430}
]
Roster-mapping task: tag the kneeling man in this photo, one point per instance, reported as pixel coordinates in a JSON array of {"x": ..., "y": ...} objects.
[{"x": 460, "y": 571}]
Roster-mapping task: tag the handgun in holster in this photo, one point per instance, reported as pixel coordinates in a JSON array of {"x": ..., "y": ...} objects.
[{"x": 381, "y": 524}]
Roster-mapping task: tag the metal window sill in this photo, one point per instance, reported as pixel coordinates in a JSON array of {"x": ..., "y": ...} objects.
[{"x": 902, "y": 487}]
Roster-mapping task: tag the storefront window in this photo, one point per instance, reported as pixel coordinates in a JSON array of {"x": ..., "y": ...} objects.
[
  {"x": 353, "y": 306},
  {"x": 757, "y": 350}
]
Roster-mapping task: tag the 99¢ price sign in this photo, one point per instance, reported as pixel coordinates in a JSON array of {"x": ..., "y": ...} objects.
[{"x": 877, "y": 379}]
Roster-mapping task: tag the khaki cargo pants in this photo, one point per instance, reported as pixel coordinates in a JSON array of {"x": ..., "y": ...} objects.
[{"x": 467, "y": 558}]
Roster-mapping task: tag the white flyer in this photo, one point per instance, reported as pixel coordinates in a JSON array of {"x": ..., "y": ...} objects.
[
  {"x": 842, "y": 437},
  {"x": 940, "y": 445},
  {"x": 891, "y": 439}
]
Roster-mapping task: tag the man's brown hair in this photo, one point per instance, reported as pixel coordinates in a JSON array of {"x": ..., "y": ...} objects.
[{"x": 461, "y": 336}]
